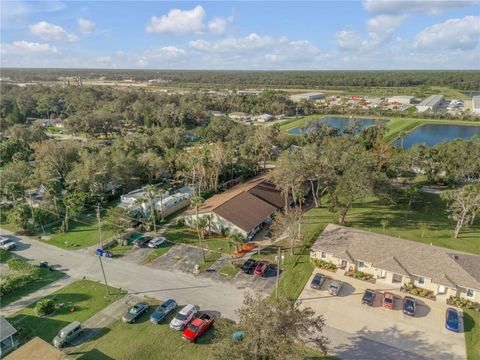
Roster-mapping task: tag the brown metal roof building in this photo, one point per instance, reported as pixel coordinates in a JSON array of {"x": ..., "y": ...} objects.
[
  {"x": 243, "y": 208},
  {"x": 37, "y": 349}
]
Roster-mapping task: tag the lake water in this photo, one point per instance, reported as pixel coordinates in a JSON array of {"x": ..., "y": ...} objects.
[
  {"x": 432, "y": 134},
  {"x": 340, "y": 123}
]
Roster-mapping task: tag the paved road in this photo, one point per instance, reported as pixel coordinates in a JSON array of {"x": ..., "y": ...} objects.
[{"x": 139, "y": 279}]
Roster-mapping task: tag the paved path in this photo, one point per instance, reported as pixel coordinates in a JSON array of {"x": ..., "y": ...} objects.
[
  {"x": 35, "y": 296},
  {"x": 140, "y": 279},
  {"x": 98, "y": 322}
]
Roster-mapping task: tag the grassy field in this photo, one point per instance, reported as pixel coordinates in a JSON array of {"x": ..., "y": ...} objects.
[
  {"x": 46, "y": 277},
  {"x": 5, "y": 255},
  {"x": 395, "y": 127},
  {"x": 88, "y": 297},
  {"x": 144, "y": 340},
  {"x": 405, "y": 222},
  {"x": 472, "y": 334},
  {"x": 81, "y": 234}
]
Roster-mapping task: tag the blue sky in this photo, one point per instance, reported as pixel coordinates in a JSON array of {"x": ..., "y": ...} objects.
[{"x": 323, "y": 35}]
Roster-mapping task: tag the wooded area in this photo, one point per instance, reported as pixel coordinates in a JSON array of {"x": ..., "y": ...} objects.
[{"x": 462, "y": 80}]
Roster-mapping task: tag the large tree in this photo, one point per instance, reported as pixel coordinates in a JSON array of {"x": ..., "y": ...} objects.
[
  {"x": 55, "y": 159},
  {"x": 272, "y": 329},
  {"x": 463, "y": 204},
  {"x": 288, "y": 224}
]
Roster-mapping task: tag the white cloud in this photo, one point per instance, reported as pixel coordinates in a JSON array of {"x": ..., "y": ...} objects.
[
  {"x": 256, "y": 52},
  {"x": 184, "y": 22},
  {"x": 452, "y": 34},
  {"x": 26, "y": 47},
  {"x": 164, "y": 57},
  {"x": 52, "y": 32},
  {"x": 430, "y": 7},
  {"x": 348, "y": 39},
  {"x": 244, "y": 44},
  {"x": 86, "y": 26}
]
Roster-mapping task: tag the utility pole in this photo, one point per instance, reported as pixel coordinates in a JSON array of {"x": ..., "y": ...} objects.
[
  {"x": 31, "y": 209},
  {"x": 278, "y": 272},
  {"x": 101, "y": 247},
  {"x": 99, "y": 227},
  {"x": 103, "y": 272}
]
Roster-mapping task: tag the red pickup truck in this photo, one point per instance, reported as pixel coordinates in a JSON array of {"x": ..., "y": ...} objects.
[{"x": 197, "y": 328}]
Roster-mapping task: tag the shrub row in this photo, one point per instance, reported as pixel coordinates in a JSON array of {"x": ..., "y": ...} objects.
[
  {"x": 327, "y": 265},
  {"x": 464, "y": 303}
]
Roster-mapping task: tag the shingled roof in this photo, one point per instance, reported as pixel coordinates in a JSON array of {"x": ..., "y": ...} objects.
[
  {"x": 401, "y": 256},
  {"x": 245, "y": 205}
]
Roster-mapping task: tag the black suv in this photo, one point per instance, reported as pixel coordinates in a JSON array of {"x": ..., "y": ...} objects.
[{"x": 249, "y": 266}]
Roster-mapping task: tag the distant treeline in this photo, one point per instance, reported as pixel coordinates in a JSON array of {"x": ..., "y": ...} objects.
[{"x": 462, "y": 80}]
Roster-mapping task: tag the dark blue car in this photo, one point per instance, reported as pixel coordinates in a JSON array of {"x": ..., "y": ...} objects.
[
  {"x": 409, "y": 306},
  {"x": 162, "y": 311},
  {"x": 452, "y": 320}
]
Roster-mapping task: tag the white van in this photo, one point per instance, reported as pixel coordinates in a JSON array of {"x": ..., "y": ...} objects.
[{"x": 67, "y": 334}]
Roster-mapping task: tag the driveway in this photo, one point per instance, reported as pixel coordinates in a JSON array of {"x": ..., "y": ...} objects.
[
  {"x": 180, "y": 257},
  {"x": 357, "y": 330},
  {"x": 139, "y": 279}
]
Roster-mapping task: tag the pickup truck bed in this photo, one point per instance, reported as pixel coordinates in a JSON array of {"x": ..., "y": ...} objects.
[{"x": 198, "y": 327}]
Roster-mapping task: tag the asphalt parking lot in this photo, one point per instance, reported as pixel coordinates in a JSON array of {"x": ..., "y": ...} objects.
[{"x": 420, "y": 337}]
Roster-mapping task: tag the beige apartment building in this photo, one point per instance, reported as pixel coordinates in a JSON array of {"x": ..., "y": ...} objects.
[{"x": 396, "y": 261}]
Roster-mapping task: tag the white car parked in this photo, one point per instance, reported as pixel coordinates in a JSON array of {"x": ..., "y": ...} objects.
[
  {"x": 157, "y": 241},
  {"x": 6, "y": 243},
  {"x": 184, "y": 316}
]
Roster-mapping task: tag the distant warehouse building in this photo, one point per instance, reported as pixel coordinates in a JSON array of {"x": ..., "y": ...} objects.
[
  {"x": 307, "y": 96},
  {"x": 401, "y": 99},
  {"x": 476, "y": 104},
  {"x": 431, "y": 103}
]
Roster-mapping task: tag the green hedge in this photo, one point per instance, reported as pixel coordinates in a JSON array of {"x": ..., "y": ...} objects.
[{"x": 327, "y": 265}]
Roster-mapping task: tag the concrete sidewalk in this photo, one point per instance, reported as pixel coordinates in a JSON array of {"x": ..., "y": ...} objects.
[
  {"x": 94, "y": 325},
  {"x": 35, "y": 296}
]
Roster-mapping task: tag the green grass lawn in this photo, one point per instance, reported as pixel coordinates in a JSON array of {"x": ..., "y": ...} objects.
[
  {"x": 150, "y": 342},
  {"x": 152, "y": 255},
  {"x": 5, "y": 255},
  {"x": 81, "y": 234},
  {"x": 144, "y": 340},
  {"x": 230, "y": 270},
  {"x": 88, "y": 297},
  {"x": 120, "y": 250},
  {"x": 405, "y": 222},
  {"x": 210, "y": 258},
  {"x": 46, "y": 277},
  {"x": 472, "y": 334},
  {"x": 189, "y": 236}
]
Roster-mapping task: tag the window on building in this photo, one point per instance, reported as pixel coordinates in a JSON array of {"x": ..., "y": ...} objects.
[
  {"x": 323, "y": 255},
  {"x": 421, "y": 280},
  {"x": 361, "y": 265},
  {"x": 470, "y": 293}
]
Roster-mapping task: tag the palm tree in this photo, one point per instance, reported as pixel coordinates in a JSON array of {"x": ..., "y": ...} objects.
[
  {"x": 160, "y": 193},
  {"x": 150, "y": 195},
  {"x": 196, "y": 202},
  {"x": 209, "y": 219},
  {"x": 236, "y": 238}
]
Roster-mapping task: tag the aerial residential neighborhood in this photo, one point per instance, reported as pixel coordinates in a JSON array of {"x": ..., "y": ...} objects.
[{"x": 240, "y": 180}]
